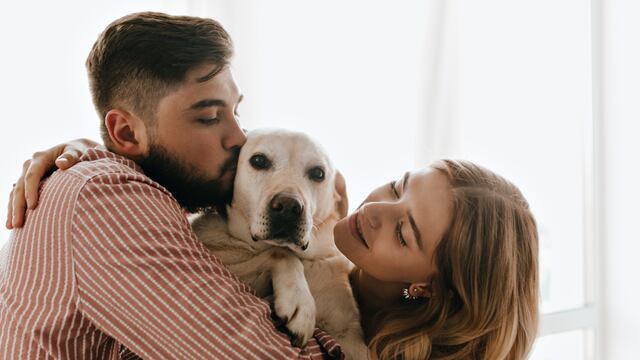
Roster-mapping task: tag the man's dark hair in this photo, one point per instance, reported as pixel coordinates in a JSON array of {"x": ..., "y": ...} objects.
[{"x": 139, "y": 58}]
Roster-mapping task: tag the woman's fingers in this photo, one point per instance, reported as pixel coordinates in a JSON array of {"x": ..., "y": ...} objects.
[
  {"x": 19, "y": 207},
  {"x": 25, "y": 192},
  {"x": 9, "y": 222},
  {"x": 18, "y": 201},
  {"x": 41, "y": 163},
  {"x": 69, "y": 158},
  {"x": 72, "y": 151}
]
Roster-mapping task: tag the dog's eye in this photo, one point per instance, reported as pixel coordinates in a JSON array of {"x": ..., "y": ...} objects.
[
  {"x": 316, "y": 174},
  {"x": 260, "y": 162}
]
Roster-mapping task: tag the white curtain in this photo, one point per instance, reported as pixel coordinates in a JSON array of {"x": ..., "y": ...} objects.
[{"x": 373, "y": 81}]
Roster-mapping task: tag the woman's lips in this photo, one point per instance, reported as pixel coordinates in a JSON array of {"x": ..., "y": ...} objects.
[{"x": 353, "y": 227}]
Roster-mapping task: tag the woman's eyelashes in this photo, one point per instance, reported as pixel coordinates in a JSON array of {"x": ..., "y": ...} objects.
[{"x": 399, "y": 236}]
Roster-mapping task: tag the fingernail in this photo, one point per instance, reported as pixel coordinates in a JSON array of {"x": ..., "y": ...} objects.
[
  {"x": 64, "y": 160},
  {"x": 28, "y": 202}
]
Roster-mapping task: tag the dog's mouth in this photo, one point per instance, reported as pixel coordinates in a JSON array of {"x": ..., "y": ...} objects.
[
  {"x": 356, "y": 228},
  {"x": 283, "y": 240}
]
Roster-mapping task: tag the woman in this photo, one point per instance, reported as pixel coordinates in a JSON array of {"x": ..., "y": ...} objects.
[
  {"x": 446, "y": 261},
  {"x": 446, "y": 265}
]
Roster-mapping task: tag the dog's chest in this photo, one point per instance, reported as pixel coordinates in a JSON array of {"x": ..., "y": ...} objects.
[{"x": 250, "y": 265}]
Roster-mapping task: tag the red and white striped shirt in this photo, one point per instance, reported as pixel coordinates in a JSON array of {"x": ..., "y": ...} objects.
[{"x": 107, "y": 267}]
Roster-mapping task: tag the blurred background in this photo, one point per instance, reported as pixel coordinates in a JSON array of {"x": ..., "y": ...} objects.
[{"x": 543, "y": 92}]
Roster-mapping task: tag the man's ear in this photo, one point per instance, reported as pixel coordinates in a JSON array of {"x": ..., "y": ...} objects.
[
  {"x": 127, "y": 132},
  {"x": 340, "y": 195}
]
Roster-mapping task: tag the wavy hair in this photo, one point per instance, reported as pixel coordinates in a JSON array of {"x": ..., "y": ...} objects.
[{"x": 485, "y": 293}]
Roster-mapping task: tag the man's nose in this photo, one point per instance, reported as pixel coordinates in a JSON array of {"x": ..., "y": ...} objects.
[{"x": 235, "y": 138}]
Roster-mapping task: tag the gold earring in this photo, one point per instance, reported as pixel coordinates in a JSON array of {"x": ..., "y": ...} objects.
[{"x": 407, "y": 295}]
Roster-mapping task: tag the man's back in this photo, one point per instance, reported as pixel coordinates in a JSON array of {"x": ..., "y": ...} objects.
[{"x": 107, "y": 266}]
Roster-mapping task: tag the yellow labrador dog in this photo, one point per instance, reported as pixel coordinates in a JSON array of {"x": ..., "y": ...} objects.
[{"x": 278, "y": 237}]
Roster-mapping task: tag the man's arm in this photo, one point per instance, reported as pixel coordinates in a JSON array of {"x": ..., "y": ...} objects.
[{"x": 145, "y": 280}]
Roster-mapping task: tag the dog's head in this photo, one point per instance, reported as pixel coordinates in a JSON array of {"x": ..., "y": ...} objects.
[{"x": 287, "y": 193}]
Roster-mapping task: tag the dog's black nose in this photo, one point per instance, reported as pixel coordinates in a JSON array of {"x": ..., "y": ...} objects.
[{"x": 286, "y": 206}]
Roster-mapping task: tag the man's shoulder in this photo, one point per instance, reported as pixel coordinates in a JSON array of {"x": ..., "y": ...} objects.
[
  {"x": 101, "y": 162},
  {"x": 99, "y": 168},
  {"x": 110, "y": 183}
]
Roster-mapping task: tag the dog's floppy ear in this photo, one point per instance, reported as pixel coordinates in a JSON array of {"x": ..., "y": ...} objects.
[{"x": 340, "y": 195}]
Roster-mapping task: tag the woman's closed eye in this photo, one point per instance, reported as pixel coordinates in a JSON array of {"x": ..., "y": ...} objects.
[{"x": 399, "y": 236}]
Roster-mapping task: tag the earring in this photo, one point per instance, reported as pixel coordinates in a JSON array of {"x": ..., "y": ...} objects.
[{"x": 407, "y": 295}]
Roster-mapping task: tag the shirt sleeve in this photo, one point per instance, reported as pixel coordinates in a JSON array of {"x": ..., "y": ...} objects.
[{"x": 146, "y": 281}]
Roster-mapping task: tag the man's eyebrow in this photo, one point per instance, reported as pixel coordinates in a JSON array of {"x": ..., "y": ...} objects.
[
  {"x": 207, "y": 103},
  {"x": 212, "y": 102},
  {"x": 416, "y": 232}
]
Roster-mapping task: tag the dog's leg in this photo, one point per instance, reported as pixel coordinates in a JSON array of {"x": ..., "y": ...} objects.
[
  {"x": 336, "y": 309},
  {"x": 293, "y": 301}
]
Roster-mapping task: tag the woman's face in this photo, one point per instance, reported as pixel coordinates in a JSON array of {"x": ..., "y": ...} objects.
[{"x": 392, "y": 236}]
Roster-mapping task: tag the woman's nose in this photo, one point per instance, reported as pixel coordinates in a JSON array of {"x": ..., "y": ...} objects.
[{"x": 372, "y": 214}]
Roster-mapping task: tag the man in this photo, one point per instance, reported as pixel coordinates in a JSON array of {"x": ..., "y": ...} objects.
[{"x": 107, "y": 266}]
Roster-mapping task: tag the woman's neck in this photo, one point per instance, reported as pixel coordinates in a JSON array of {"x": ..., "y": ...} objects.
[{"x": 372, "y": 296}]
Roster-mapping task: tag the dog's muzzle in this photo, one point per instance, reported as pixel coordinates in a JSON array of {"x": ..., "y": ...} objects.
[{"x": 285, "y": 219}]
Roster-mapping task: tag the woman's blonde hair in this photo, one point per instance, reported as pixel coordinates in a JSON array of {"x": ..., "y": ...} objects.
[{"x": 485, "y": 292}]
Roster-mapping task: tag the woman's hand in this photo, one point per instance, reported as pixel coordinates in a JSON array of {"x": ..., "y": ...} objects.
[{"x": 25, "y": 191}]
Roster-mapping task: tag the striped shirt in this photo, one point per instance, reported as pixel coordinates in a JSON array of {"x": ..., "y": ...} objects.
[{"x": 107, "y": 267}]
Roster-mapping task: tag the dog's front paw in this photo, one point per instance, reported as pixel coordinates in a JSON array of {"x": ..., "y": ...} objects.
[{"x": 296, "y": 307}]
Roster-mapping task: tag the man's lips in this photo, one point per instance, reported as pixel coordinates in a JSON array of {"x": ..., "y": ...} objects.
[{"x": 353, "y": 227}]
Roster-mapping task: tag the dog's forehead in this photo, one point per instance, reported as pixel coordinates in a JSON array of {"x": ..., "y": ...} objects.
[{"x": 281, "y": 145}]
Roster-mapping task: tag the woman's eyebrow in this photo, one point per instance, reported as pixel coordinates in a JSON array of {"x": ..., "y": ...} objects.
[
  {"x": 405, "y": 179},
  {"x": 416, "y": 232}
]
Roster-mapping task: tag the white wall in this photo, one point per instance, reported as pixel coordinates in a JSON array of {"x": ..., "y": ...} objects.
[
  {"x": 43, "y": 46},
  {"x": 621, "y": 240}
]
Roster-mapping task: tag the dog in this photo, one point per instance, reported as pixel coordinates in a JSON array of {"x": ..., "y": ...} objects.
[{"x": 278, "y": 236}]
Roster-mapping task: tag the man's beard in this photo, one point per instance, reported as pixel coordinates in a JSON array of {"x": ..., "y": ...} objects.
[{"x": 186, "y": 183}]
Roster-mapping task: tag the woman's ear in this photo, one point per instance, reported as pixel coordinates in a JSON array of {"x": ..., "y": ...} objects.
[
  {"x": 127, "y": 133},
  {"x": 421, "y": 290},
  {"x": 340, "y": 195}
]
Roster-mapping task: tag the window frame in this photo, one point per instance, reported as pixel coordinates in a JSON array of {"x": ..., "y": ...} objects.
[{"x": 590, "y": 316}]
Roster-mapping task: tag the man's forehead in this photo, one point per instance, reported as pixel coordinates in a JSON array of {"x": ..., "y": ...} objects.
[
  {"x": 206, "y": 72},
  {"x": 220, "y": 84}
]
